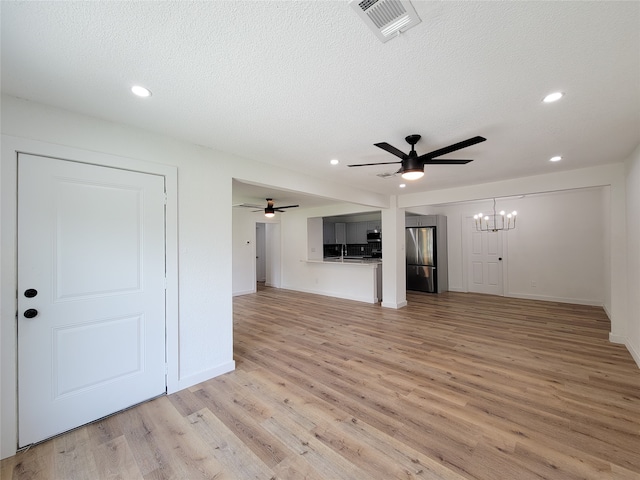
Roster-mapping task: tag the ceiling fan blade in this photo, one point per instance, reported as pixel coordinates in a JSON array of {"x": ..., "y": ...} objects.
[
  {"x": 440, "y": 161},
  {"x": 278, "y": 210},
  {"x": 247, "y": 205},
  {"x": 452, "y": 148},
  {"x": 289, "y": 206},
  {"x": 369, "y": 164},
  {"x": 391, "y": 149}
]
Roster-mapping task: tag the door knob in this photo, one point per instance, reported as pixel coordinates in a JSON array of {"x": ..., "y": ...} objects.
[
  {"x": 30, "y": 292},
  {"x": 30, "y": 313}
]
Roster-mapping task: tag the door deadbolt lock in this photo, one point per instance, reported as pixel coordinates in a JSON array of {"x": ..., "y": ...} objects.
[
  {"x": 30, "y": 292},
  {"x": 30, "y": 313}
]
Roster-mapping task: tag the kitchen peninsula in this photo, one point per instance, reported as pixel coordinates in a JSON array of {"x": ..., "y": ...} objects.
[
  {"x": 342, "y": 261},
  {"x": 352, "y": 278}
]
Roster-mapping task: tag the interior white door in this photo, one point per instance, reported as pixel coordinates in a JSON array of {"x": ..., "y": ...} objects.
[
  {"x": 91, "y": 294},
  {"x": 484, "y": 253}
]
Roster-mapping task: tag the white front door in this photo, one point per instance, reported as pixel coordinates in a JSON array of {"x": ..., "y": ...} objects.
[
  {"x": 484, "y": 266},
  {"x": 91, "y": 295}
]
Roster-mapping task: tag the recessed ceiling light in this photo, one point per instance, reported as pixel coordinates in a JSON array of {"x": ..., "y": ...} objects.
[
  {"x": 141, "y": 91},
  {"x": 557, "y": 158},
  {"x": 553, "y": 97},
  {"x": 334, "y": 161},
  {"x": 402, "y": 185}
]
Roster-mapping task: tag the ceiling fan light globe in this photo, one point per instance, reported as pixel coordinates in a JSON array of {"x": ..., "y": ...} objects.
[
  {"x": 413, "y": 174},
  {"x": 269, "y": 214}
]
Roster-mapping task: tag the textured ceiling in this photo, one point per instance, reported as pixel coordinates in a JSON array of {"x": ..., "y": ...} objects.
[{"x": 298, "y": 83}]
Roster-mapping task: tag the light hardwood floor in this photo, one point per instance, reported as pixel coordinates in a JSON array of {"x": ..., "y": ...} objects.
[{"x": 455, "y": 386}]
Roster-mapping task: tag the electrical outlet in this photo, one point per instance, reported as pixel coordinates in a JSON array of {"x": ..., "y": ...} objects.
[{"x": 534, "y": 284}]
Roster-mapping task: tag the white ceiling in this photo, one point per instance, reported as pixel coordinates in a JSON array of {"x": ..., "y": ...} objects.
[{"x": 298, "y": 83}]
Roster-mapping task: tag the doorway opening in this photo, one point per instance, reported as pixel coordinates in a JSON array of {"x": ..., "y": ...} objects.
[{"x": 268, "y": 257}]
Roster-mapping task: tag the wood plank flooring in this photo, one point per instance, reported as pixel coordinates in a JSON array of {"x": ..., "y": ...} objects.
[{"x": 455, "y": 386}]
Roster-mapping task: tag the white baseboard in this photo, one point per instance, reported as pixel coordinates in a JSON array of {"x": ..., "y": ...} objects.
[
  {"x": 622, "y": 340},
  {"x": 544, "y": 298},
  {"x": 333, "y": 294},
  {"x": 246, "y": 292},
  {"x": 394, "y": 305},
  {"x": 617, "y": 339},
  {"x": 204, "y": 375},
  {"x": 457, "y": 289},
  {"x": 634, "y": 353}
]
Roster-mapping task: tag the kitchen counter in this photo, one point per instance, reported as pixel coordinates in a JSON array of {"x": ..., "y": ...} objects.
[
  {"x": 355, "y": 278},
  {"x": 350, "y": 260}
]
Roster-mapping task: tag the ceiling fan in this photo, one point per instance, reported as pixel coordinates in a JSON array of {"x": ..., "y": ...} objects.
[
  {"x": 269, "y": 210},
  {"x": 412, "y": 164}
]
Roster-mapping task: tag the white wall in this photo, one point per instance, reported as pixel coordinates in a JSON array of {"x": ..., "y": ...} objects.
[
  {"x": 633, "y": 256},
  {"x": 559, "y": 244},
  {"x": 274, "y": 255},
  {"x": 244, "y": 251}
]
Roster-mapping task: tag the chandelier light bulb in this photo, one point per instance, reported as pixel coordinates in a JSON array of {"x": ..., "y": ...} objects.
[{"x": 490, "y": 222}]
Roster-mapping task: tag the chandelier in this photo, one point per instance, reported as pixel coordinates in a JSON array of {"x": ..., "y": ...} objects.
[{"x": 495, "y": 222}]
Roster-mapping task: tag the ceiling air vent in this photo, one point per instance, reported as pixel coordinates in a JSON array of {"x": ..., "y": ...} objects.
[{"x": 387, "y": 18}]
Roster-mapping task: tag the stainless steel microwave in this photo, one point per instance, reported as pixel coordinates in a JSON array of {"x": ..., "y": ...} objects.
[{"x": 374, "y": 236}]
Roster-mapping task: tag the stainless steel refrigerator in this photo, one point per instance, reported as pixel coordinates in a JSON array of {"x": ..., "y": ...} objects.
[{"x": 421, "y": 259}]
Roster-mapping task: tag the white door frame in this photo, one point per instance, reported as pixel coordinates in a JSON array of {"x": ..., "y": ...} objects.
[
  {"x": 261, "y": 250},
  {"x": 8, "y": 265},
  {"x": 273, "y": 257}
]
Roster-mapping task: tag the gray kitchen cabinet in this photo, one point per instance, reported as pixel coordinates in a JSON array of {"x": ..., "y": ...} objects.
[
  {"x": 328, "y": 233},
  {"x": 341, "y": 232},
  {"x": 373, "y": 225},
  {"x": 361, "y": 232},
  {"x": 421, "y": 220},
  {"x": 352, "y": 232}
]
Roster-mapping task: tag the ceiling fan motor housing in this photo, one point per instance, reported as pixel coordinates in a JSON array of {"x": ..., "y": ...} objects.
[{"x": 412, "y": 163}]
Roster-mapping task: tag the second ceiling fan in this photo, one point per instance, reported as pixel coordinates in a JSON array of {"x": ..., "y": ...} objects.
[
  {"x": 270, "y": 209},
  {"x": 412, "y": 164}
]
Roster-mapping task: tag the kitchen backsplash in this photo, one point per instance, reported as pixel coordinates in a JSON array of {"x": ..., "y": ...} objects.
[{"x": 353, "y": 249}]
